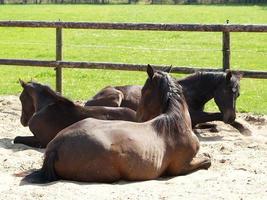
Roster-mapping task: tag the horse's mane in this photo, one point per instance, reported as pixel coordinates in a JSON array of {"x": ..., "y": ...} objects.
[
  {"x": 172, "y": 120},
  {"x": 206, "y": 82},
  {"x": 49, "y": 91},
  {"x": 205, "y": 77},
  {"x": 210, "y": 77}
]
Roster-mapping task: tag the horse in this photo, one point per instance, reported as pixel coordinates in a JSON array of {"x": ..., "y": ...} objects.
[
  {"x": 94, "y": 150},
  {"x": 47, "y": 112},
  {"x": 119, "y": 96},
  {"x": 198, "y": 89}
]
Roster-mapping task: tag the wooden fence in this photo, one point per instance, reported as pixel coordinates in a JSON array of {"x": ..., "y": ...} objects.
[
  {"x": 58, "y": 63},
  {"x": 170, "y": 2}
]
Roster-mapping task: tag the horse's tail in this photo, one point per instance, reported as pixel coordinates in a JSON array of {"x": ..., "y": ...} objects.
[{"x": 46, "y": 173}]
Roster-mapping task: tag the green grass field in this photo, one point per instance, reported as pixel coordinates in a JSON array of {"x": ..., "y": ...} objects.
[{"x": 177, "y": 48}]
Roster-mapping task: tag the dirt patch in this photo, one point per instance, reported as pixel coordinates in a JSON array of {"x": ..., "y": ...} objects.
[
  {"x": 257, "y": 120},
  {"x": 238, "y": 171}
]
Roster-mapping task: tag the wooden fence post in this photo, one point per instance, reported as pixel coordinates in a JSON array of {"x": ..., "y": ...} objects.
[
  {"x": 59, "y": 58},
  {"x": 226, "y": 49}
]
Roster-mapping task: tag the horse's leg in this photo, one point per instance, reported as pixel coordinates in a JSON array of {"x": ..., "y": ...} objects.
[
  {"x": 28, "y": 140},
  {"x": 197, "y": 164},
  {"x": 205, "y": 126},
  {"x": 111, "y": 100},
  {"x": 241, "y": 128},
  {"x": 185, "y": 168},
  {"x": 198, "y": 117}
]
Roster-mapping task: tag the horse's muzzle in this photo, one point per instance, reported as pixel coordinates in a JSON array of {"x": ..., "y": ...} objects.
[
  {"x": 229, "y": 117},
  {"x": 24, "y": 122}
]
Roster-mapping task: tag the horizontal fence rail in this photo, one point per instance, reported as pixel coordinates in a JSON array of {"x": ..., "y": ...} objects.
[
  {"x": 138, "y": 26},
  {"x": 59, "y": 62},
  {"x": 121, "y": 66}
]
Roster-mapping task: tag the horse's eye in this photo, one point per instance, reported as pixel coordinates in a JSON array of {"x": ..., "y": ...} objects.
[{"x": 142, "y": 91}]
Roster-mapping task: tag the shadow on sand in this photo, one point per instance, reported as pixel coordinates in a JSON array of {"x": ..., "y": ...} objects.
[
  {"x": 7, "y": 143},
  {"x": 121, "y": 182}
]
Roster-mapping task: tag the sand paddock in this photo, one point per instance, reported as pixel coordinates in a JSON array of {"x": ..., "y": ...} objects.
[{"x": 238, "y": 171}]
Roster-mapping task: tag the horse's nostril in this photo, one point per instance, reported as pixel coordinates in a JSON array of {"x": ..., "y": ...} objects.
[
  {"x": 229, "y": 118},
  {"x": 23, "y": 122},
  {"x": 232, "y": 118}
]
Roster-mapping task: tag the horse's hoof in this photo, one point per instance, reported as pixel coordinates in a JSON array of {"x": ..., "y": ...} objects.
[
  {"x": 16, "y": 140},
  {"x": 246, "y": 132},
  {"x": 214, "y": 130},
  {"x": 206, "y": 164}
]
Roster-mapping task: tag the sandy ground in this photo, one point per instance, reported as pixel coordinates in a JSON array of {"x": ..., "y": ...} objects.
[{"x": 238, "y": 171}]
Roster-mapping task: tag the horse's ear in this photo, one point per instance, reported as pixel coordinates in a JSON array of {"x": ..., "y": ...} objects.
[
  {"x": 228, "y": 75},
  {"x": 167, "y": 69},
  {"x": 239, "y": 75},
  {"x": 22, "y": 83},
  {"x": 150, "y": 71}
]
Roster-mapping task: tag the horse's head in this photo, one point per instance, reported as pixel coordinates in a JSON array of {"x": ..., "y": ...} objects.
[
  {"x": 226, "y": 94},
  {"x": 36, "y": 96},
  {"x": 153, "y": 97},
  {"x": 27, "y": 103}
]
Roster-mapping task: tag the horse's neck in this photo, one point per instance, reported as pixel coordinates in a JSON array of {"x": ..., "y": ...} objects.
[
  {"x": 42, "y": 101},
  {"x": 199, "y": 88},
  {"x": 173, "y": 123}
]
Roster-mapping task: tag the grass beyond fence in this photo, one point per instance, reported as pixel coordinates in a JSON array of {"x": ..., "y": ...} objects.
[{"x": 182, "y": 48}]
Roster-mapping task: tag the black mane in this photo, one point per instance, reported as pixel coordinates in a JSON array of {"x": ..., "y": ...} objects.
[
  {"x": 208, "y": 79},
  {"x": 199, "y": 87},
  {"x": 204, "y": 79},
  {"x": 172, "y": 120}
]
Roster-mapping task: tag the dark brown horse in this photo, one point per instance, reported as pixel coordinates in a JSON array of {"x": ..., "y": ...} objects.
[
  {"x": 198, "y": 89},
  {"x": 119, "y": 96},
  {"x": 107, "y": 151},
  {"x": 46, "y": 113}
]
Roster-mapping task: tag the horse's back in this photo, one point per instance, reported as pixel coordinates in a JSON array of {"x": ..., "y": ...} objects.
[
  {"x": 109, "y": 131},
  {"x": 92, "y": 146},
  {"x": 108, "y": 96},
  {"x": 131, "y": 95},
  {"x": 109, "y": 113}
]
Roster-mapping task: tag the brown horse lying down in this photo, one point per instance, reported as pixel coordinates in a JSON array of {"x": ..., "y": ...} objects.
[
  {"x": 46, "y": 113},
  {"x": 107, "y": 151},
  {"x": 198, "y": 89}
]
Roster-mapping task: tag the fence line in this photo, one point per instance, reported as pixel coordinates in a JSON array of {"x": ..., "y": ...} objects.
[
  {"x": 58, "y": 63},
  {"x": 120, "y": 66},
  {"x": 137, "y": 26}
]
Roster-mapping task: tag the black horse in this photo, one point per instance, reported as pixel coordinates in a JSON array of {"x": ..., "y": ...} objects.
[
  {"x": 198, "y": 89},
  {"x": 201, "y": 87}
]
